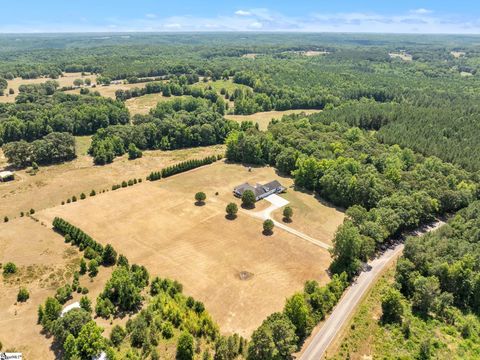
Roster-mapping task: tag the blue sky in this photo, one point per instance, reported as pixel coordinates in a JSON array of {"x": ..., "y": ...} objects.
[{"x": 401, "y": 16}]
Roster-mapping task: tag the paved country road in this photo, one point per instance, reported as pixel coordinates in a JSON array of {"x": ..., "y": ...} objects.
[{"x": 316, "y": 346}]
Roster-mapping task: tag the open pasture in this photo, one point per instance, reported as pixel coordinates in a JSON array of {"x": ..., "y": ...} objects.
[
  {"x": 65, "y": 80},
  {"x": 55, "y": 183},
  {"x": 240, "y": 274},
  {"x": 264, "y": 118}
]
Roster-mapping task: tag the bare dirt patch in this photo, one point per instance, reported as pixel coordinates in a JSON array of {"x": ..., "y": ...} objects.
[
  {"x": 401, "y": 55},
  {"x": 158, "y": 225},
  {"x": 457, "y": 54},
  {"x": 264, "y": 118}
]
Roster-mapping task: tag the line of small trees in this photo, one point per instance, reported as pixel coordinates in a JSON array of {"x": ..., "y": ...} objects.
[
  {"x": 182, "y": 167},
  {"x": 125, "y": 183},
  {"x": 76, "y": 235}
]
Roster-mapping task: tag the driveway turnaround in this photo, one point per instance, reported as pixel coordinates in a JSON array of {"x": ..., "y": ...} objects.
[{"x": 277, "y": 203}]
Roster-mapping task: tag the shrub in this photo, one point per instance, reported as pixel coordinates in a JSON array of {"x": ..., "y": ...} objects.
[
  {"x": 22, "y": 213},
  {"x": 200, "y": 197},
  {"x": 167, "y": 330},
  {"x": 130, "y": 182},
  {"x": 5, "y": 219},
  {"x": 232, "y": 210},
  {"x": 392, "y": 308},
  {"x": 185, "y": 347},
  {"x": 86, "y": 304},
  {"x": 134, "y": 152},
  {"x": 93, "y": 268},
  {"x": 287, "y": 214},
  {"x": 124, "y": 184},
  {"x": 109, "y": 256},
  {"x": 117, "y": 335},
  {"x": 9, "y": 268},
  {"x": 64, "y": 294},
  {"x": 268, "y": 226},
  {"x": 93, "y": 193},
  {"x": 83, "y": 266},
  {"x": 74, "y": 198},
  {"x": 32, "y": 211},
  {"x": 23, "y": 295},
  {"x": 69, "y": 201},
  {"x": 83, "y": 196}
]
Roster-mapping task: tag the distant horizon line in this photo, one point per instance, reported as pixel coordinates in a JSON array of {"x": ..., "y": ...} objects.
[{"x": 257, "y": 32}]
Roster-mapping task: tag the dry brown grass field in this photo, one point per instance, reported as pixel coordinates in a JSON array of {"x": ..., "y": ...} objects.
[
  {"x": 143, "y": 104},
  {"x": 264, "y": 118},
  {"x": 109, "y": 90},
  {"x": 65, "y": 80},
  {"x": 158, "y": 225},
  {"x": 54, "y": 184}
]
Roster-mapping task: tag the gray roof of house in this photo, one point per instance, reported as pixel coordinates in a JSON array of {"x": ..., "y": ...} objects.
[{"x": 258, "y": 189}]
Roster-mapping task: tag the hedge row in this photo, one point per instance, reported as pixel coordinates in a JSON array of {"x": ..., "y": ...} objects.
[
  {"x": 77, "y": 236},
  {"x": 182, "y": 167}
]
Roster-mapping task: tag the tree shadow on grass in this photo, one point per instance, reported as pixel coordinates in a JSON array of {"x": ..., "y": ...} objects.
[{"x": 249, "y": 207}]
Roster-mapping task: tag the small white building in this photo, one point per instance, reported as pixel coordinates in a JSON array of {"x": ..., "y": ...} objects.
[{"x": 6, "y": 176}]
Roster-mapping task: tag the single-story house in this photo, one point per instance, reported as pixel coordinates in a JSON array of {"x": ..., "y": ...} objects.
[
  {"x": 6, "y": 175},
  {"x": 260, "y": 191}
]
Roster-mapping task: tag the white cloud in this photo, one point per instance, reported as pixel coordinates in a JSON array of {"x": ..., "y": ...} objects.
[
  {"x": 243, "y": 13},
  {"x": 256, "y": 25},
  {"x": 421, "y": 11},
  {"x": 262, "y": 19}
]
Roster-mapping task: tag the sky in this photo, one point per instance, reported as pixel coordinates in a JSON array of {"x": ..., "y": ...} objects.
[{"x": 380, "y": 16}]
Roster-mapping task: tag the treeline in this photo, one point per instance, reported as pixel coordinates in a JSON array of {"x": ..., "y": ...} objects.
[
  {"x": 76, "y": 235},
  {"x": 385, "y": 189},
  {"x": 75, "y": 114},
  {"x": 283, "y": 333},
  {"x": 175, "y": 124},
  {"x": 182, "y": 167},
  {"x": 52, "y": 148}
]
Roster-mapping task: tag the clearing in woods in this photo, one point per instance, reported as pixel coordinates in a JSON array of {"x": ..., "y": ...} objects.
[
  {"x": 264, "y": 118},
  {"x": 65, "y": 80},
  {"x": 240, "y": 274}
]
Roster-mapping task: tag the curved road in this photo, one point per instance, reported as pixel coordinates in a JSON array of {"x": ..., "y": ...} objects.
[{"x": 316, "y": 347}]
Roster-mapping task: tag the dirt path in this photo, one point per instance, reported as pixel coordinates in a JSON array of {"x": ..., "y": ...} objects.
[
  {"x": 277, "y": 203},
  {"x": 316, "y": 346}
]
